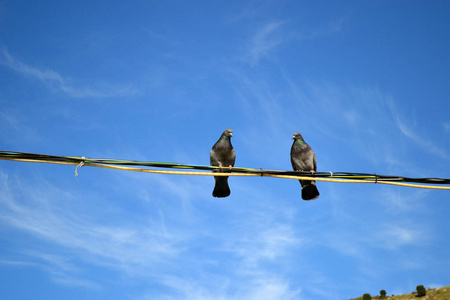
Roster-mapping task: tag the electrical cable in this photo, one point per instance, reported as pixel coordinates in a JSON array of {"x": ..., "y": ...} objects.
[{"x": 131, "y": 165}]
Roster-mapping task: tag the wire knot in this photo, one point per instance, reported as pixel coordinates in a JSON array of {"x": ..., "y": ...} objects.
[{"x": 81, "y": 164}]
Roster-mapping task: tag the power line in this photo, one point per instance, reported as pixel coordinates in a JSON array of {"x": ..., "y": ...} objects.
[{"x": 131, "y": 165}]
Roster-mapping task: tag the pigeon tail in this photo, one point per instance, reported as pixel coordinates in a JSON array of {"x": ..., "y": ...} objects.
[
  {"x": 310, "y": 191},
  {"x": 221, "y": 189}
]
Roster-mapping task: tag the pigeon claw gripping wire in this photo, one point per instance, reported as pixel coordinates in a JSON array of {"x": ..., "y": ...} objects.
[{"x": 81, "y": 164}]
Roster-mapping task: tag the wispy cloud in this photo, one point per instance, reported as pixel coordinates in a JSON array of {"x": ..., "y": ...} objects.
[
  {"x": 55, "y": 80},
  {"x": 401, "y": 235},
  {"x": 16, "y": 128},
  {"x": 367, "y": 119},
  {"x": 265, "y": 39},
  {"x": 268, "y": 245},
  {"x": 273, "y": 289},
  {"x": 129, "y": 248},
  {"x": 247, "y": 274},
  {"x": 400, "y": 202},
  {"x": 239, "y": 289},
  {"x": 398, "y": 234},
  {"x": 15, "y": 263},
  {"x": 332, "y": 27},
  {"x": 272, "y": 34},
  {"x": 58, "y": 266},
  {"x": 62, "y": 269},
  {"x": 72, "y": 240},
  {"x": 408, "y": 131}
]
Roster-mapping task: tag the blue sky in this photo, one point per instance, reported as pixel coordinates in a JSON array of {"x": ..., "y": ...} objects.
[{"x": 365, "y": 82}]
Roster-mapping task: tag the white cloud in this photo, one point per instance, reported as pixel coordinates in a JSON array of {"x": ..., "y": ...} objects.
[
  {"x": 47, "y": 213},
  {"x": 72, "y": 239},
  {"x": 273, "y": 289},
  {"x": 270, "y": 35},
  {"x": 76, "y": 282},
  {"x": 16, "y": 128},
  {"x": 267, "y": 245},
  {"x": 266, "y": 38},
  {"x": 408, "y": 131},
  {"x": 225, "y": 288},
  {"x": 326, "y": 29},
  {"x": 446, "y": 126},
  {"x": 15, "y": 263},
  {"x": 62, "y": 269},
  {"x": 56, "y": 81},
  {"x": 352, "y": 117},
  {"x": 398, "y": 234},
  {"x": 398, "y": 202}
]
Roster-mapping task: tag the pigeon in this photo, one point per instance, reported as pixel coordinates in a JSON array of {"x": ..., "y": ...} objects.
[
  {"x": 304, "y": 159},
  {"x": 222, "y": 155}
]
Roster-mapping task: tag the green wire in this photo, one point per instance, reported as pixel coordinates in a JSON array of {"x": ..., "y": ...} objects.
[{"x": 12, "y": 155}]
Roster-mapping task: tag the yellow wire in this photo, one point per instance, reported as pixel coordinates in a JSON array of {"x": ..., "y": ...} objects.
[
  {"x": 422, "y": 186},
  {"x": 234, "y": 174}
]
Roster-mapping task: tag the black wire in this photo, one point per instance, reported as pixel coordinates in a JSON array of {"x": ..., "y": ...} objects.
[{"x": 12, "y": 155}]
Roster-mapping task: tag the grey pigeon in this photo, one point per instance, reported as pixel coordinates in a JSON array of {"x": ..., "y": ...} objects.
[
  {"x": 304, "y": 159},
  {"x": 222, "y": 155}
]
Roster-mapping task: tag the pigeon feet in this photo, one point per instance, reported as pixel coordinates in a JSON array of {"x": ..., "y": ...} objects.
[{"x": 220, "y": 167}]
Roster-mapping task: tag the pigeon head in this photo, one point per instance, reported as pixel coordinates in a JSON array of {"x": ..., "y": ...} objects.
[
  {"x": 297, "y": 136},
  {"x": 228, "y": 132}
]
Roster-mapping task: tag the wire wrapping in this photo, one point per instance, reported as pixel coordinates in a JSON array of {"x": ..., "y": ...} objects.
[{"x": 131, "y": 165}]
